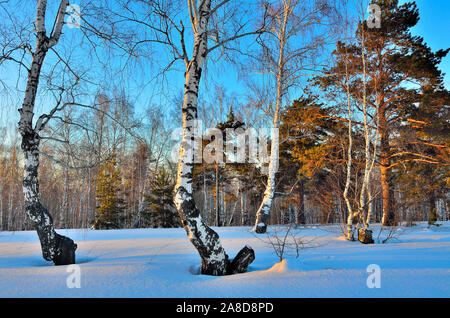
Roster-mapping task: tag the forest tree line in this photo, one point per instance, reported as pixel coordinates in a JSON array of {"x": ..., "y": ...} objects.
[{"x": 134, "y": 185}]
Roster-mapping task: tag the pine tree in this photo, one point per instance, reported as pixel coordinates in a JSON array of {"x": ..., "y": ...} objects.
[
  {"x": 426, "y": 140},
  {"x": 296, "y": 133},
  {"x": 219, "y": 174},
  {"x": 312, "y": 153},
  {"x": 111, "y": 207},
  {"x": 398, "y": 66}
]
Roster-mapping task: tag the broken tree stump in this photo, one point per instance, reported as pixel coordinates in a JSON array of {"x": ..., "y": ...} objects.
[
  {"x": 65, "y": 251},
  {"x": 242, "y": 260}
]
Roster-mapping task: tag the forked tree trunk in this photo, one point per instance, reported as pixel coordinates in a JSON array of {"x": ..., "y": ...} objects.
[
  {"x": 55, "y": 247},
  {"x": 214, "y": 259}
]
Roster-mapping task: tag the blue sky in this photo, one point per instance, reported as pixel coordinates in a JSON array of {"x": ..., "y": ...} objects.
[{"x": 434, "y": 26}]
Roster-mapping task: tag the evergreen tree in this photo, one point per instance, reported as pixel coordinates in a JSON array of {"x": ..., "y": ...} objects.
[
  {"x": 398, "y": 66},
  {"x": 312, "y": 153},
  {"x": 426, "y": 139},
  {"x": 219, "y": 174},
  {"x": 111, "y": 206},
  {"x": 162, "y": 211}
]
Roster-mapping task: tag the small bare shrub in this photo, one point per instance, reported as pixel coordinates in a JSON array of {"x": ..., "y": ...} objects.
[{"x": 285, "y": 241}]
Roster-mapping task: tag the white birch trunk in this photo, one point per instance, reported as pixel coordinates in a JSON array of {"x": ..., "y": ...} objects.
[
  {"x": 55, "y": 247},
  {"x": 205, "y": 240},
  {"x": 243, "y": 213},
  {"x": 366, "y": 178},
  {"x": 350, "y": 229},
  {"x": 263, "y": 213}
]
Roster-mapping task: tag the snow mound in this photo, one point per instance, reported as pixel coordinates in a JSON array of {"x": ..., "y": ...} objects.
[
  {"x": 195, "y": 269},
  {"x": 281, "y": 267}
]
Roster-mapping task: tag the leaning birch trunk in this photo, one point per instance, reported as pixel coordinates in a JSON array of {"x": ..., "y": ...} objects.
[
  {"x": 55, "y": 247},
  {"x": 350, "y": 229},
  {"x": 365, "y": 185},
  {"x": 263, "y": 213},
  {"x": 205, "y": 240}
]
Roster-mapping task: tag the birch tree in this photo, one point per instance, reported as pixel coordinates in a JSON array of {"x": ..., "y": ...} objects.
[
  {"x": 364, "y": 202},
  {"x": 288, "y": 49},
  {"x": 358, "y": 213},
  {"x": 351, "y": 213},
  {"x": 214, "y": 259},
  {"x": 366, "y": 197},
  {"x": 213, "y": 26},
  {"x": 55, "y": 247}
]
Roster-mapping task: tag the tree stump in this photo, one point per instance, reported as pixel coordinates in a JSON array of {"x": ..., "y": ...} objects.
[
  {"x": 65, "y": 251},
  {"x": 242, "y": 260},
  {"x": 261, "y": 228},
  {"x": 365, "y": 236}
]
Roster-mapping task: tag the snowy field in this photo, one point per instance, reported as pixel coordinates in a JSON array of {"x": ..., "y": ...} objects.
[{"x": 163, "y": 263}]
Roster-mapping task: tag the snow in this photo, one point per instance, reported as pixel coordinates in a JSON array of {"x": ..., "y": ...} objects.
[{"x": 163, "y": 263}]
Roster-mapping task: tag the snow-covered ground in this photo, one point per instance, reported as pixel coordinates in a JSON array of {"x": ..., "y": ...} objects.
[{"x": 163, "y": 263}]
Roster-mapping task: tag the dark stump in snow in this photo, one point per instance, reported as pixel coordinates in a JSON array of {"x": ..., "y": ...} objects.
[
  {"x": 242, "y": 260},
  {"x": 65, "y": 251},
  {"x": 365, "y": 236},
  {"x": 261, "y": 228}
]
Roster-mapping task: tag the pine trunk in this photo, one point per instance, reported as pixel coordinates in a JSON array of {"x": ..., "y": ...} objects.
[
  {"x": 432, "y": 217},
  {"x": 301, "y": 204}
]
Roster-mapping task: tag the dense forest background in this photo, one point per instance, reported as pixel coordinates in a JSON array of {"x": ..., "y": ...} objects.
[{"x": 111, "y": 161}]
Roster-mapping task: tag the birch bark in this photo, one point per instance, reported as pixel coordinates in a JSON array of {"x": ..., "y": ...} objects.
[
  {"x": 205, "y": 240},
  {"x": 55, "y": 247},
  {"x": 285, "y": 57},
  {"x": 350, "y": 231},
  {"x": 263, "y": 213}
]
